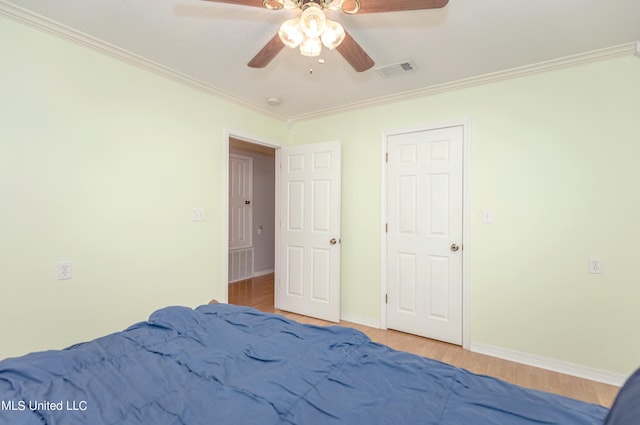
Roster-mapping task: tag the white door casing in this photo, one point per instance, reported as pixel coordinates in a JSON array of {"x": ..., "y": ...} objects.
[
  {"x": 240, "y": 201},
  {"x": 309, "y": 229},
  {"x": 424, "y": 235}
]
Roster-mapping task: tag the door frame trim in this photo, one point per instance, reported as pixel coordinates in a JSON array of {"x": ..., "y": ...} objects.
[
  {"x": 465, "y": 123},
  {"x": 228, "y": 134}
]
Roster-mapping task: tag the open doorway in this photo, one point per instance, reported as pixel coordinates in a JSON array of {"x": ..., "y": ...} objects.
[
  {"x": 252, "y": 206},
  {"x": 306, "y": 206}
]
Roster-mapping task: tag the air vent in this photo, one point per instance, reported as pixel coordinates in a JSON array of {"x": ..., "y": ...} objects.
[{"x": 399, "y": 68}]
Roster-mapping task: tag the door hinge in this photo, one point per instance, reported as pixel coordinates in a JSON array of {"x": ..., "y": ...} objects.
[
  {"x": 386, "y": 298},
  {"x": 386, "y": 227},
  {"x": 386, "y": 157}
]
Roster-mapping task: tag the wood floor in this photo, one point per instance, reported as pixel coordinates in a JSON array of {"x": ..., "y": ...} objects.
[{"x": 258, "y": 293}]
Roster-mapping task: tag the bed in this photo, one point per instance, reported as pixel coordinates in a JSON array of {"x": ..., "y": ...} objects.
[{"x": 226, "y": 364}]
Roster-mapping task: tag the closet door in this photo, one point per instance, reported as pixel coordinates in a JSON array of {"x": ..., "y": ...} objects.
[{"x": 424, "y": 237}]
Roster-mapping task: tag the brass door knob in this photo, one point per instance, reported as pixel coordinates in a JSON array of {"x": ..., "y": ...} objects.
[{"x": 454, "y": 247}]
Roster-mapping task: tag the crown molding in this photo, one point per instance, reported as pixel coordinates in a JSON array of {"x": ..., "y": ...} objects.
[
  {"x": 627, "y": 49},
  {"x": 42, "y": 23},
  {"x": 49, "y": 26}
]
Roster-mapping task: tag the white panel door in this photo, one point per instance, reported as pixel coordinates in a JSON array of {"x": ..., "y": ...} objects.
[
  {"x": 424, "y": 236},
  {"x": 308, "y": 282},
  {"x": 240, "y": 198}
]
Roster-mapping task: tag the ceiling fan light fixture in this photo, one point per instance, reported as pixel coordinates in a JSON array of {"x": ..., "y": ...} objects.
[
  {"x": 333, "y": 35},
  {"x": 311, "y": 30},
  {"x": 350, "y": 6},
  {"x": 273, "y": 4},
  {"x": 331, "y": 4},
  {"x": 312, "y": 21},
  {"x": 311, "y": 47},
  {"x": 290, "y": 33}
]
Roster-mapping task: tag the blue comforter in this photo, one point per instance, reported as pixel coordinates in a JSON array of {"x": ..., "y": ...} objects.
[{"x": 224, "y": 364}]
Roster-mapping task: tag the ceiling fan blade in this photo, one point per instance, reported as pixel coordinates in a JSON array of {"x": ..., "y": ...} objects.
[
  {"x": 267, "y": 53},
  {"x": 354, "y": 54},
  {"x": 255, "y": 3},
  {"x": 378, "y": 6}
]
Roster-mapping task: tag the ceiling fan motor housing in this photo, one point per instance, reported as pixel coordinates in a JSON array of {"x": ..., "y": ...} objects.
[
  {"x": 306, "y": 3},
  {"x": 346, "y": 6}
]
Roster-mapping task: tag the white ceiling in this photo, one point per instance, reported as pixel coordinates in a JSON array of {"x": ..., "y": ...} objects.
[{"x": 212, "y": 43}]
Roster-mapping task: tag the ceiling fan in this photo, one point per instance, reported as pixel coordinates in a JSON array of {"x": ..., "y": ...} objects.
[{"x": 312, "y": 29}]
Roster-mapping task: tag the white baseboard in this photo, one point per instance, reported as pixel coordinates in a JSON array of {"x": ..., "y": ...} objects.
[
  {"x": 255, "y": 274},
  {"x": 262, "y": 272},
  {"x": 361, "y": 320},
  {"x": 237, "y": 280},
  {"x": 554, "y": 365}
]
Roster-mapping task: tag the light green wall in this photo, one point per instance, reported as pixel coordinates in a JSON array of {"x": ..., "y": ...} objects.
[
  {"x": 555, "y": 157},
  {"x": 101, "y": 164}
]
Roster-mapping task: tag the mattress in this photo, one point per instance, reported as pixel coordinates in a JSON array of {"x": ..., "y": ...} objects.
[{"x": 225, "y": 364}]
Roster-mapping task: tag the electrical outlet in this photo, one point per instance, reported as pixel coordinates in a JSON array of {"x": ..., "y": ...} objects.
[
  {"x": 595, "y": 265},
  {"x": 65, "y": 270},
  {"x": 197, "y": 214}
]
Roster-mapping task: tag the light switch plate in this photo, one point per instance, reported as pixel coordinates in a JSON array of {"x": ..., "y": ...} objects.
[{"x": 487, "y": 216}]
